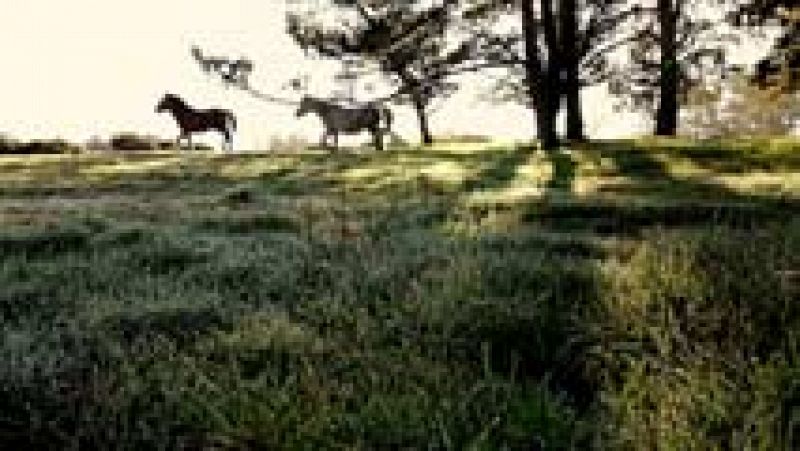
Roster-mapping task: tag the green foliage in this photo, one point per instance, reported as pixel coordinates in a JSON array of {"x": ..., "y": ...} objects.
[{"x": 740, "y": 108}]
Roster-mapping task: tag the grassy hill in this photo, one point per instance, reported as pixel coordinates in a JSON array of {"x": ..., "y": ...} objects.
[{"x": 468, "y": 296}]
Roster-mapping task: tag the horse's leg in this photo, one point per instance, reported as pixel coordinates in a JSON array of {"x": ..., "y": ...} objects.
[
  {"x": 330, "y": 133},
  {"x": 335, "y": 140},
  {"x": 228, "y": 140},
  {"x": 377, "y": 138}
]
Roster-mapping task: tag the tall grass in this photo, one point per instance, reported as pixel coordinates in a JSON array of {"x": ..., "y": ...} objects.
[
  {"x": 696, "y": 341},
  {"x": 301, "y": 309}
]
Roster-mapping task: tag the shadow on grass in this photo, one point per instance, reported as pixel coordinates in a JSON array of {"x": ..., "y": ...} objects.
[
  {"x": 560, "y": 209},
  {"x": 44, "y": 244},
  {"x": 179, "y": 326},
  {"x": 500, "y": 172},
  {"x": 564, "y": 172}
]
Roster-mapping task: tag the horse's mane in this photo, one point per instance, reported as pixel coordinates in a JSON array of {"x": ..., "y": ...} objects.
[{"x": 317, "y": 100}]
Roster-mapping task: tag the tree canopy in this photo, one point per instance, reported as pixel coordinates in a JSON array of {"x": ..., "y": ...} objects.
[{"x": 415, "y": 45}]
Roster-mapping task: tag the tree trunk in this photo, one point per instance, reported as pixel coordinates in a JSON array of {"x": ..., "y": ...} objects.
[
  {"x": 422, "y": 118},
  {"x": 574, "y": 111},
  {"x": 667, "y": 114},
  {"x": 539, "y": 83},
  {"x": 419, "y": 103},
  {"x": 552, "y": 82},
  {"x": 546, "y": 125},
  {"x": 571, "y": 61}
]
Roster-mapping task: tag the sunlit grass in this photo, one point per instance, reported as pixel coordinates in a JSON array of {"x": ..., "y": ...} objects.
[{"x": 464, "y": 296}]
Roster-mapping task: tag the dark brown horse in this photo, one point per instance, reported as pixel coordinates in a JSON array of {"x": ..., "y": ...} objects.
[{"x": 197, "y": 121}]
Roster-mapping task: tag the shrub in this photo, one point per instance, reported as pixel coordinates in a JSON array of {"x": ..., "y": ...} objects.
[
  {"x": 131, "y": 141},
  {"x": 56, "y": 146},
  {"x": 7, "y": 145}
]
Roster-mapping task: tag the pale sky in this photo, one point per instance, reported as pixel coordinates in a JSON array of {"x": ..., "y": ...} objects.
[{"x": 78, "y": 68}]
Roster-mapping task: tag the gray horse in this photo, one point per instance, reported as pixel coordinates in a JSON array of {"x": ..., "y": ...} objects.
[{"x": 337, "y": 119}]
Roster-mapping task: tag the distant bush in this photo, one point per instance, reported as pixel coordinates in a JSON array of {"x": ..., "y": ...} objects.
[
  {"x": 738, "y": 108},
  {"x": 133, "y": 142},
  {"x": 56, "y": 146},
  {"x": 7, "y": 145},
  {"x": 166, "y": 145}
]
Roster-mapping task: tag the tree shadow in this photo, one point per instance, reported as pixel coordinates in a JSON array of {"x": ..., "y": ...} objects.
[
  {"x": 561, "y": 209},
  {"x": 687, "y": 201},
  {"x": 639, "y": 163},
  {"x": 737, "y": 157},
  {"x": 179, "y": 326},
  {"x": 500, "y": 172},
  {"x": 564, "y": 172}
]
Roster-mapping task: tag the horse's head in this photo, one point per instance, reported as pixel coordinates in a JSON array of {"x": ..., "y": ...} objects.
[
  {"x": 306, "y": 106},
  {"x": 169, "y": 103}
]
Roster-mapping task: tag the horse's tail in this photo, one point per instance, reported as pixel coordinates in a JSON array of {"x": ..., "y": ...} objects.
[
  {"x": 231, "y": 120},
  {"x": 388, "y": 118}
]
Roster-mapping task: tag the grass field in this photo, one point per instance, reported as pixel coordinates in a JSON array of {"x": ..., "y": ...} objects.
[{"x": 616, "y": 295}]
